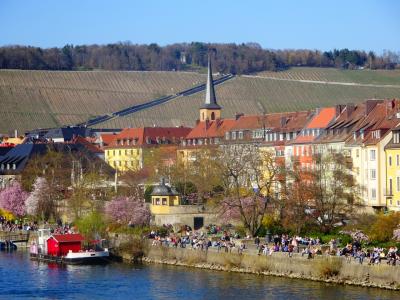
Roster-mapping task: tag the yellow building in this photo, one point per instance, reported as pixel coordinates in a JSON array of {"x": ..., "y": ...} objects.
[
  {"x": 166, "y": 208},
  {"x": 392, "y": 154},
  {"x": 163, "y": 198},
  {"x": 128, "y": 150},
  {"x": 124, "y": 158}
]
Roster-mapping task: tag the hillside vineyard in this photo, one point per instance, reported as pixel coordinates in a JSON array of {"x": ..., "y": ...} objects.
[{"x": 42, "y": 99}]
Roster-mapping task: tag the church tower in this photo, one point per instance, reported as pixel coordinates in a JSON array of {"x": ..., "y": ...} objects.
[{"x": 210, "y": 110}]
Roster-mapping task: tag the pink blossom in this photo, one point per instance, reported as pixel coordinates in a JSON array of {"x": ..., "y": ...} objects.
[
  {"x": 128, "y": 210},
  {"x": 40, "y": 188},
  {"x": 13, "y": 199}
]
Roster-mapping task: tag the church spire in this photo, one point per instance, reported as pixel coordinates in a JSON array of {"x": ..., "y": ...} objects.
[{"x": 211, "y": 100}]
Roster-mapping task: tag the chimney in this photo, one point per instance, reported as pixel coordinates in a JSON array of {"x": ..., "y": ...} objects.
[
  {"x": 370, "y": 105},
  {"x": 16, "y": 133},
  {"x": 350, "y": 108},
  {"x": 283, "y": 121},
  {"x": 238, "y": 115},
  {"x": 339, "y": 109},
  {"x": 207, "y": 123}
]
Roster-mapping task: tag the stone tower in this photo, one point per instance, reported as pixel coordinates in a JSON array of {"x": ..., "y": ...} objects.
[{"x": 210, "y": 110}]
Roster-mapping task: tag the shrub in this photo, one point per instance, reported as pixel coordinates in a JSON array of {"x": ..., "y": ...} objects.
[
  {"x": 135, "y": 246},
  {"x": 91, "y": 226},
  {"x": 382, "y": 229}
]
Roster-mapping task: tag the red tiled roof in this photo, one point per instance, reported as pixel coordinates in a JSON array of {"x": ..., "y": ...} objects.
[
  {"x": 323, "y": 118},
  {"x": 65, "y": 238},
  {"x": 210, "y": 129},
  {"x": 89, "y": 146},
  {"x": 171, "y": 134},
  {"x": 287, "y": 121},
  {"x": 107, "y": 138}
]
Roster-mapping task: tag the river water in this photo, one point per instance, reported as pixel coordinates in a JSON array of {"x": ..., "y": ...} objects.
[{"x": 21, "y": 278}]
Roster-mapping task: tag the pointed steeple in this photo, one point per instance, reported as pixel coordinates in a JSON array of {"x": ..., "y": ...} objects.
[{"x": 211, "y": 100}]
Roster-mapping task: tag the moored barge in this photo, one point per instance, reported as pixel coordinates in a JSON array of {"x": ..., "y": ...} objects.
[{"x": 66, "y": 249}]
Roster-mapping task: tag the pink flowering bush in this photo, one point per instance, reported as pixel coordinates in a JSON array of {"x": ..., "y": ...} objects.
[
  {"x": 13, "y": 199},
  {"x": 38, "y": 194},
  {"x": 128, "y": 211}
]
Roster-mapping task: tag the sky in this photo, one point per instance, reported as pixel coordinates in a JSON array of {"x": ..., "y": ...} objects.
[{"x": 280, "y": 24}]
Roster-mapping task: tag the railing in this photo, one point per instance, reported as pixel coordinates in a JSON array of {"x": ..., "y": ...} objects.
[{"x": 14, "y": 236}]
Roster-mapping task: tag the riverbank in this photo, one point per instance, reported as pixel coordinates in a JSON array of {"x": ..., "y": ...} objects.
[{"x": 328, "y": 269}]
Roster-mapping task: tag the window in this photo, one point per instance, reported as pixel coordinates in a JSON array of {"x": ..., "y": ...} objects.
[
  {"x": 119, "y": 152},
  {"x": 373, "y": 193},
  {"x": 113, "y": 152},
  {"x": 396, "y": 137},
  {"x": 390, "y": 160},
  {"x": 164, "y": 201},
  {"x": 240, "y": 135},
  {"x": 372, "y": 154},
  {"x": 373, "y": 174},
  {"x": 126, "y": 152},
  {"x": 390, "y": 186},
  {"x": 398, "y": 202},
  {"x": 376, "y": 134},
  {"x": 397, "y": 160},
  {"x": 227, "y": 135},
  {"x": 157, "y": 201},
  {"x": 233, "y": 135},
  {"x": 357, "y": 153},
  {"x": 398, "y": 183}
]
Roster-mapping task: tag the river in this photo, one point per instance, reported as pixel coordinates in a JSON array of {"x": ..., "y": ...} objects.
[{"x": 21, "y": 278}]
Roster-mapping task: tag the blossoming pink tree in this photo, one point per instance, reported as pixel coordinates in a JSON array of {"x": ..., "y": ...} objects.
[
  {"x": 38, "y": 194},
  {"x": 128, "y": 210},
  {"x": 13, "y": 199}
]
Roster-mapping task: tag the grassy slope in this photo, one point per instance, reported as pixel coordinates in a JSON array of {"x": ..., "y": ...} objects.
[
  {"x": 329, "y": 74},
  {"x": 32, "y": 99},
  {"x": 244, "y": 94}
]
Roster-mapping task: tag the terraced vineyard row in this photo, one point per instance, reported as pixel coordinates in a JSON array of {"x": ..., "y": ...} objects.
[
  {"x": 389, "y": 77},
  {"x": 244, "y": 94},
  {"x": 34, "y": 99},
  {"x": 71, "y": 97}
]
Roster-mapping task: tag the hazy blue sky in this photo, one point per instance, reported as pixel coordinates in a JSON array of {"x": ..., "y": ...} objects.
[{"x": 368, "y": 24}]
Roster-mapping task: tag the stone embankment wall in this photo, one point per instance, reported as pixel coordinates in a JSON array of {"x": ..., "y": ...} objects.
[{"x": 320, "y": 268}]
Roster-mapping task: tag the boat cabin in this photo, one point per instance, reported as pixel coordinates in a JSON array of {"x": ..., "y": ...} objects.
[{"x": 61, "y": 244}]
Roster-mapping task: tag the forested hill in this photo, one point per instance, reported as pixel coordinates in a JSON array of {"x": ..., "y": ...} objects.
[{"x": 229, "y": 58}]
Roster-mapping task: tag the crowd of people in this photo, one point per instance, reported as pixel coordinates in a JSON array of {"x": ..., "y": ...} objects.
[
  {"x": 11, "y": 226},
  {"x": 307, "y": 247}
]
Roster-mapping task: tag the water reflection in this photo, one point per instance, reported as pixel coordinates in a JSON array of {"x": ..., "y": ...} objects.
[{"x": 21, "y": 278}]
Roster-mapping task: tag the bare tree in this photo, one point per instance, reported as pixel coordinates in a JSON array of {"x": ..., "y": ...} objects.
[{"x": 251, "y": 182}]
